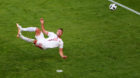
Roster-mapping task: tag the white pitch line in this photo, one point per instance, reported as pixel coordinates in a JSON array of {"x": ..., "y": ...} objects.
[{"x": 132, "y": 10}]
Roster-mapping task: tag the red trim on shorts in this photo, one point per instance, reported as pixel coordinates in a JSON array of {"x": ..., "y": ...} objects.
[{"x": 40, "y": 46}]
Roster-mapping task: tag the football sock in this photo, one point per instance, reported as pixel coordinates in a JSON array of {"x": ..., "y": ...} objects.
[
  {"x": 25, "y": 38},
  {"x": 30, "y": 29}
]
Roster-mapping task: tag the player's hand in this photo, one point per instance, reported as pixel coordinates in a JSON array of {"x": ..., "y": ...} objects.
[
  {"x": 64, "y": 57},
  {"x": 42, "y": 20}
]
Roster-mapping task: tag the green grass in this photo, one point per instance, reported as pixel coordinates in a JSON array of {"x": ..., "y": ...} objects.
[
  {"x": 99, "y": 43},
  {"x": 134, "y": 4}
]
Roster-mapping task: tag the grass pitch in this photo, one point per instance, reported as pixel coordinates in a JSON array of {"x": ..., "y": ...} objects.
[{"x": 99, "y": 43}]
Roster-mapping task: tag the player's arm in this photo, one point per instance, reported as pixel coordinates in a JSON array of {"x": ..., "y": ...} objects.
[
  {"x": 42, "y": 26},
  {"x": 61, "y": 53}
]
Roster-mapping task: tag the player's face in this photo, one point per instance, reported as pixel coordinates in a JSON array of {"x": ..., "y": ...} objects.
[{"x": 59, "y": 32}]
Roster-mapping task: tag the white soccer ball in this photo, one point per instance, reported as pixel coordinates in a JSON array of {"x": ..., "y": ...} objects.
[{"x": 112, "y": 7}]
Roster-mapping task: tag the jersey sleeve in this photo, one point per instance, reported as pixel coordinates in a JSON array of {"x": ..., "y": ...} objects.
[{"x": 61, "y": 44}]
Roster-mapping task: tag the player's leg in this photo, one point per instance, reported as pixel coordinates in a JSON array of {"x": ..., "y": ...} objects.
[
  {"x": 26, "y": 39},
  {"x": 30, "y": 29},
  {"x": 19, "y": 35},
  {"x": 39, "y": 38},
  {"x": 39, "y": 35}
]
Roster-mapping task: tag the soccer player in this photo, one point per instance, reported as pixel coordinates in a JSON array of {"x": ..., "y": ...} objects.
[{"x": 53, "y": 40}]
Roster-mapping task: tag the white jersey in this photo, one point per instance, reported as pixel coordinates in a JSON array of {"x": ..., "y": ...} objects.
[{"x": 52, "y": 41}]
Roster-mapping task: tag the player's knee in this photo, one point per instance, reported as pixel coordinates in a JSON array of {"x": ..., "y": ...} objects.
[{"x": 38, "y": 31}]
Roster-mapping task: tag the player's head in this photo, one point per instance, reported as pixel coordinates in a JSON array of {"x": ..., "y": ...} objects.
[{"x": 60, "y": 32}]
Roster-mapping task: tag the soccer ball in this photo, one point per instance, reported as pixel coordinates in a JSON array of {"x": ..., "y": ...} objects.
[{"x": 112, "y": 7}]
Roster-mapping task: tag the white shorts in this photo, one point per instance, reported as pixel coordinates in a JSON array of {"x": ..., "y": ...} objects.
[
  {"x": 40, "y": 37},
  {"x": 40, "y": 40}
]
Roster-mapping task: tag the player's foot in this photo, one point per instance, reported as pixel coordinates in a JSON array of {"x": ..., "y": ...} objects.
[
  {"x": 18, "y": 30},
  {"x": 18, "y": 26}
]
